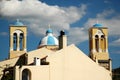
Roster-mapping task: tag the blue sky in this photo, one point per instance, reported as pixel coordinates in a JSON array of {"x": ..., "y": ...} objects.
[{"x": 74, "y": 16}]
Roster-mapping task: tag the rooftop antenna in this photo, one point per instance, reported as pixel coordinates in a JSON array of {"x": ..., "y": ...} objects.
[
  {"x": 49, "y": 26},
  {"x": 97, "y": 21},
  {"x": 18, "y": 20}
]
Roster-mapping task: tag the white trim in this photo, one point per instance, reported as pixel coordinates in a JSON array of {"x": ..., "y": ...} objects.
[
  {"x": 11, "y": 49},
  {"x": 100, "y": 50},
  {"x": 18, "y": 49},
  {"x": 25, "y": 49},
  {"x": 11, "y": 34},
  {"x": 93, "y": 50},
  {"x": 106, "y": 37},
  {"x": 93, "y": 37},
  {"x": 18, "y": 32},
  {"x": 106, "y": 50},
  {"x": 99, "y": 33}
]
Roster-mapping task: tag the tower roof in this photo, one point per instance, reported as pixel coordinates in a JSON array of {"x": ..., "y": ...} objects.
[
  {"x": 49, "y": 31},
  {"x": 18, "y": 23},
  {"x": 97, "y": 25},
  {"x": 49, "y": 39}
]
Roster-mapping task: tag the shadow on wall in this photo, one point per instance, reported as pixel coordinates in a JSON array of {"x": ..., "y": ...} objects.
[
  {"x": 7, "y": 74},
  {"x": 116, "y": 74},
  {"x": 8, "y": 71}
]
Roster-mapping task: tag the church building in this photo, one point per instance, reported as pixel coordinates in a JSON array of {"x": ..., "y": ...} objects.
[{"x": 53, "y": 59}]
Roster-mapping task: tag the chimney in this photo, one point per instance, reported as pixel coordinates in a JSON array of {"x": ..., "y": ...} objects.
[
  {"x": 36, "y": 61},
  {"x": 62, "y": 40}
]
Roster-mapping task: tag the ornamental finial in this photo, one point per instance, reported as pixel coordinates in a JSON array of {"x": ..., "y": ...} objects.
[
  {"x": 97, "y": 21},
  {"x": 49, "y": 26},
  {"x": 18, "y": 20}
]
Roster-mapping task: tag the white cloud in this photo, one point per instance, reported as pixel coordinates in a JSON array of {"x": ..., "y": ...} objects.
[
  {"x": 115, "y": 43},
  {"x": 3, "y": 33},
  {"x": 107, "y": 1},
  {"x": 108, "y": 20},
  {"x": 77, "y": 35},
  {"x": 38, "y": 15},
  {"x": 105, "y": 13},
  {"x": 118, "y": 52}
]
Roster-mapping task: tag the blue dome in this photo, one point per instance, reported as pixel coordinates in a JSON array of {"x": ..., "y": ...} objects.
[
  {"x": 18, "y": 23},
  {"x": 49, "y": 31},
  {"x": 49, "y": 39},
  {"x": 97, "y": 25}
]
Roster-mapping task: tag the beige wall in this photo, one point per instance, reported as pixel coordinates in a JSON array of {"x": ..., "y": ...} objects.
[
  {"x": 37, "y": 72},
  {"x": 39, "y": 53},
  {"x": 7, "y": 63},
  {"x": 14, "y": 54},
  {"x": 72, "y": 64},
  {"x": 66, "y": 64},
  {"x": 13, "y": 28},
  {"x": 17, "y": 53},
  {"x": 103, "y": 55}
]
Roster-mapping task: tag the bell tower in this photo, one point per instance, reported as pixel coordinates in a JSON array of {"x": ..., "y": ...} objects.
[
  {"x": 18, "y": 33},
  {"x": 98, "y": 43}
]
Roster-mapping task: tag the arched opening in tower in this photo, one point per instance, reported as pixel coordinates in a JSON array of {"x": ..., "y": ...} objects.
[
  {"x": 103, "y": 44},
  {"x": 15, "y": 41},
  {"x": 21, "y": 41},
  {"x": 97, "y": 43}
]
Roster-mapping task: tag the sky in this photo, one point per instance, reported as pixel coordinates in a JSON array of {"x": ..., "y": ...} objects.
[{"x": 73, "y": 16}]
